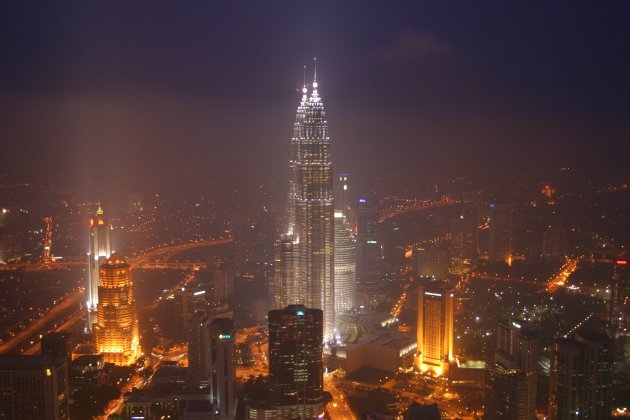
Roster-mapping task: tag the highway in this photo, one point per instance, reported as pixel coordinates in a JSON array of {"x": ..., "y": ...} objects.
[
  {"x": 138, "y": 262},
  {"x": 74, "y": 298},
  {"x": 446, "y": 201}
]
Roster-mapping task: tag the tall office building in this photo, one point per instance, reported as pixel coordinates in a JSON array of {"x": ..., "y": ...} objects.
[
  {"x": 211, "y": 359},
  {"x": 342, "y": 196},
  {"x": 222, "y": 369},
  {"x": 100, "y": 248},
  {"x": 369, "y": 248},
  {"x": 198, "y": 353},
  {"x": 462, "y": 243},
  {"x": 435, "y": 327},
  {"x": 116, "y": 328},
  {"x": 512, "y": 376},
  {"x": 295, "y": 361},
  {"x": 500, "y": 233},
  {"x": 430, "y": 260},
  {"x": 619, "y": 304},
  {"x": 581, "y": 377},
  {"x": 33, "y": 387},
  {"x": 345, "y": 266},
  {"x": 308, "y": 273}
]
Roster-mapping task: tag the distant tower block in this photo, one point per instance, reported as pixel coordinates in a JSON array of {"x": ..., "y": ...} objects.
[{"x": 99, "y": 250}]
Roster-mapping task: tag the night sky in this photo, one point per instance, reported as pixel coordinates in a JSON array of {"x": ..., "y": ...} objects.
[{"x": 132, "y": 93}]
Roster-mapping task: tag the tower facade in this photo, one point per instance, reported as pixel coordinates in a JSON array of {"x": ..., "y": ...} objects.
[
  {"x": 345, "y": 266},
  {"x": 512, "y": 376},
  {"x": 116, "y": 328},
  {"x": 100, "y": 249},
  {"x": 500, "y": 234},
  {"x": 435, "y": 327},
  {"x": 295, "y": 361},
  {"x": 581, "y": 377},
  {"x": 307, "y": 273}
]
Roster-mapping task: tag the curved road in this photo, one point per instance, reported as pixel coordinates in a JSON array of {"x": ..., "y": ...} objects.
[{"x": 32, "y": 329}]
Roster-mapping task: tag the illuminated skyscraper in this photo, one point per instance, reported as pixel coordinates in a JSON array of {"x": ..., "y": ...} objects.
[
  {"x": 295, "y": 361},
  {"x": 99, "y": 250},
  {"x": 435, "y": 327},
  {"x": 307, "y": 274},
  {"x": 116, "y": 328},
  {"x": 345, "y": 266},
  {"x": 619, "y": 304}
]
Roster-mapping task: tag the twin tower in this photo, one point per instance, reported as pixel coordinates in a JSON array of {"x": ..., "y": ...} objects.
[{"x": 305, "y": 270}]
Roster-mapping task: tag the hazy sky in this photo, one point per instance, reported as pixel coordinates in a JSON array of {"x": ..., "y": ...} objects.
[{"x": 140, "y": 92}]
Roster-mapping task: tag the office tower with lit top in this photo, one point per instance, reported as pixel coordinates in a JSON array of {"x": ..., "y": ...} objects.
[
  {"x": 116, "y": 329},
  {"x": 295, "y": 361},
  {"x": 511, "y": 378},
  {"x": 345, "y": 266},
  {"x": 100, "y": 249},
  {"x": 435, "y": 327},
  {"x": 307, "y": 273}
]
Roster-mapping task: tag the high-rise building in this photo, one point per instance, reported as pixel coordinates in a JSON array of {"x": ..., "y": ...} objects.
[
  {"x": 222, "y": 369},
  {"x": 430, "y": 260},
  {"x": 211, "y": 359},
  {"x": 512, "y": 376},
  {"x": 435, "y": 327},
  {"x": 581, "y": 377},
  {"x": 198, "y": 352},
  {"x": 345, "y": 266},
  {"x": 188, "y": 300},
  {"x": 100, "y": 248},
  {"x": 500, "y": 233},
  {"x": 369, "y": 247},
  {"x": 342, "y": 196},
  {"x": 295, "y": 361},
  {"x": 307, "y": 273},
  {"x": 116, "y": 329},
  {"x": 58, "y": 344},
  {"x": 619, "y": 304},
  {"x": 462, "y": 243},
  {"x": 33, "y": 387}
]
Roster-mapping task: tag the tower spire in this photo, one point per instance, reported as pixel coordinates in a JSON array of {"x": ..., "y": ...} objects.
[
  {"x": 314, "y": 95},
  {"x": 315, "y": 66}
]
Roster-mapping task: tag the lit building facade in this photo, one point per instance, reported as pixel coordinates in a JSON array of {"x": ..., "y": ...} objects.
[
  {"x": 345, "y": 266},
  {"x": 116, "y": 329},
  {"x": 295, "y": 361},
  {"x": 100, "y": 248},
  {"x": 435, "y": 327},
  {"x": 306, "y": 272}
]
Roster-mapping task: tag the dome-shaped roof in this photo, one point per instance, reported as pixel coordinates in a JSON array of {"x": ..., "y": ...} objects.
[{"x": 116, "y": 259}]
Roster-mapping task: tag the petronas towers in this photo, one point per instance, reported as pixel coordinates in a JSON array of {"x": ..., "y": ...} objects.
[{"x": 305, "y": 254}]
